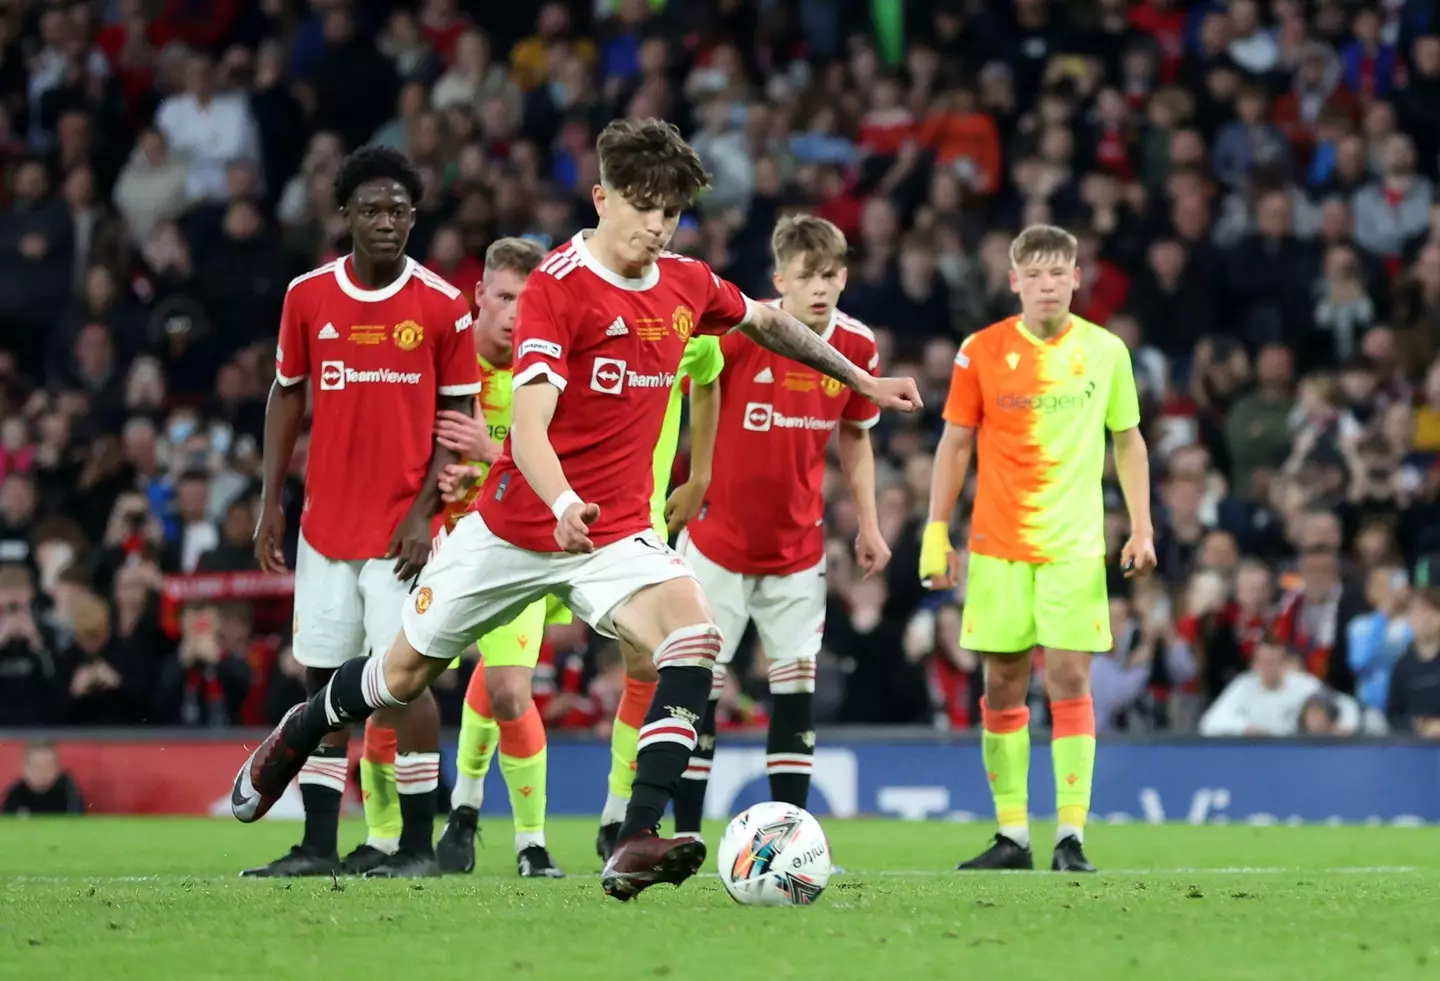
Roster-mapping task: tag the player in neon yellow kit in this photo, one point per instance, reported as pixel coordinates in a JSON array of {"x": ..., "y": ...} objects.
[
  {"x": 499, "y": 712},
  {"x": 1033, "y": 396}
]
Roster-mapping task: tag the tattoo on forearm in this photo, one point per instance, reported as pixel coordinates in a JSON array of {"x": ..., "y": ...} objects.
[{"x": 776, "y": 330}]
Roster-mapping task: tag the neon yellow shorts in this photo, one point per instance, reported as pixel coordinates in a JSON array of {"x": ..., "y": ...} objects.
[
  {"x": 1012, "y": 606},
  {"x": 517, "y": 644}
]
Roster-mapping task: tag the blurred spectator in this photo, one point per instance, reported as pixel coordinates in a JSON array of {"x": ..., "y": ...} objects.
[
  {"x": 1413, "y": 705},
  {"x": 210, "y": 129},
  {"x": 36, "y": 252},
  {"x": 106, "y": 686},
  {"x": 43, "y": 787},
  {"x": 1257, "y": 427},
  {"x": 1266, "y": 700},
  {"x": 152, "y": 186},
  {"x": 1395, "y": 208},
  {"x": 1378, "y": 638},
  {"x": 205, "y": 683},
  {"x": 33, "y": 677}
]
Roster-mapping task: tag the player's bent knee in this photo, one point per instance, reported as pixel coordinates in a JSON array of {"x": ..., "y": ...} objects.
[
  {"x": 793, "y": 676},
  {"x": 510, "y": 692}
]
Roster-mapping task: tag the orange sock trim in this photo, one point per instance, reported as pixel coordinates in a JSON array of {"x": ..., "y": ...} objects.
[
  {"x": 1003, "y": 721},
  {"x": 477, "y": 696},
  {"x": 635, "y": 702},
  {"x": 380, "y": 744},
  {"x": 524, "y": 737},
  {"x": 1073, "y": 717}
]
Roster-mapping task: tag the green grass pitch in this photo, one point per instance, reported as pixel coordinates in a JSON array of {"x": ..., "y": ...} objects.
[{"x": 137, "y": 899}]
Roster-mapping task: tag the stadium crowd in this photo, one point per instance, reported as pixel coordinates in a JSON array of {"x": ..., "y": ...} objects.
[{"x": 1252, "y": 185}]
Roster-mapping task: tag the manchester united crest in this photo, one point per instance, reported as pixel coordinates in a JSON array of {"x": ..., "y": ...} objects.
[
  {"x": 831, "y": 386},
  {"x": 423, "y": 599},
  {"x": 408, "y": 335},
  {"x": 682, "y": 321}
]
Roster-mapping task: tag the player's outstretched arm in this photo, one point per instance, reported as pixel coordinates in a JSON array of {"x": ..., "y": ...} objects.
[
  {"x": 1132, "y": 466},
  {"x": 939, "y": 566},
  {"x": 857, "y": 461},
  {"x": 531, "y": 412},
  {"x": 685, "y": 502},
  {"x": 776, "y": 330},
  {"x": 284, "y": 414}
]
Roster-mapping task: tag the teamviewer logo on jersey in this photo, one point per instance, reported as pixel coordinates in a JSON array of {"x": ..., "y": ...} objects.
[
  {"x": 332, "y": 376},
  {"x": 758, "y": 416},
  {"x": 608, "y": 376}
]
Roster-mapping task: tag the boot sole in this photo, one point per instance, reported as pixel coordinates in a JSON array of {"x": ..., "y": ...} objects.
[{"x": 679, "y": 863}]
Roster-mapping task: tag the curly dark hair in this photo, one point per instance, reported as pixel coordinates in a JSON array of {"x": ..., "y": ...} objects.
[
  {"x": 649, "y": 163},
  {"x": 371, "y": 163}
]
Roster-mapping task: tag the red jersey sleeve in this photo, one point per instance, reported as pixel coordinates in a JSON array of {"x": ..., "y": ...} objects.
[
  {"x": 860, "y": 412},
  {"x": 725, "y": 306},
  {"x": 963, "y": 406},
  {"x": 292, "y": 352},
  {"x": 544, "y": 332},
  {"x": 456, "y": 366}
]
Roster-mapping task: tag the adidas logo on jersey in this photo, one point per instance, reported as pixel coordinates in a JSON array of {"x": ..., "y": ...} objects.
[
  {"x": 766, "y": 377},
  {"x": 617, "y": 329},
  {"x": 329, "y": 333}
]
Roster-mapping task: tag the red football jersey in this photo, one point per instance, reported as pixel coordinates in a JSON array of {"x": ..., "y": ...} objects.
[
  {"x": 763, "y": 514},
  {"x": 378, "y": 359},
  {"x": 612, "y": 346}
]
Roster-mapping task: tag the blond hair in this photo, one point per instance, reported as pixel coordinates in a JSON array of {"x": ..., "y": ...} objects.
[
  {"x": 91, "y": 615},
  {"x": 1040, "y": 242},
  {"x": 13, "y": 575},
  {"x": 517, "y": 255},
  {"x": 821, "y": 243}
]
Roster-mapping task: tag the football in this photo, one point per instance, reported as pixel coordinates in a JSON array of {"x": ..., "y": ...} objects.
[{"x": 774, "y": 854}]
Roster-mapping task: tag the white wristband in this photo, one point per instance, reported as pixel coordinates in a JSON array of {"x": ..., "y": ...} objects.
[{"x": 563, "y": 502}]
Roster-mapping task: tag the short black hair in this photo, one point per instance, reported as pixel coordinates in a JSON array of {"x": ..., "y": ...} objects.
[{"x": 373, "y": 163}]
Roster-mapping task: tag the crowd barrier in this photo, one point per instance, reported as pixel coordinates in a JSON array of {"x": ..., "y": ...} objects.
[{"x": 909, "y": 775}]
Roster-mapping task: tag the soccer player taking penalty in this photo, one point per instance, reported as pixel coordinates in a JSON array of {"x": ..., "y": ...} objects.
[
  {"x": 566, "y": 508},
  {"x": 385, "y": 344},
  {"x": 1031, "y": 398}
]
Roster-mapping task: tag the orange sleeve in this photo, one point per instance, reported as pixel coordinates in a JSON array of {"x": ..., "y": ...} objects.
[{"x": 963, "y": 406}]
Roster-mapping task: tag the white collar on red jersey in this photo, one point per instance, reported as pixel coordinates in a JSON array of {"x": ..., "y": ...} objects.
[
  {"x": 829, "y": 328},
  {"x": 588, "y": 260},
  {"x": 351, "y": 289}
]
